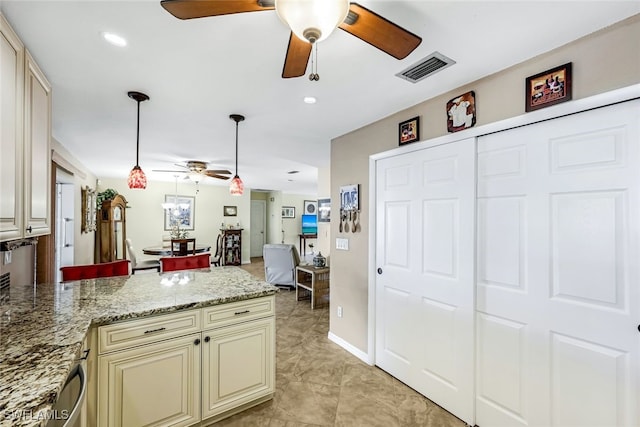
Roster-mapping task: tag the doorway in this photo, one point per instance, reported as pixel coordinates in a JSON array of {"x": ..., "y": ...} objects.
[
  {"x": 64, "y": 220},
  {"x": 258, "y": 227}
]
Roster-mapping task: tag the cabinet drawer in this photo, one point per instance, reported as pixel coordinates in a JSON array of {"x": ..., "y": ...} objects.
[
  {"x": 146, "y": 330},
  {"x": 241, "y": 311}
]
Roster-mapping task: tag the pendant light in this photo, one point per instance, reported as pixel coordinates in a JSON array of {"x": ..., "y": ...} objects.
[
  {"x": 137, "y": 178},
  {"x": 237, "y": 186}
]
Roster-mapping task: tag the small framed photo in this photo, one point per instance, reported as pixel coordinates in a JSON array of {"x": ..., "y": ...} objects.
[
  {"x": 324, "y": 210},
  {"x": 310, "y": 207},
  {"x": 548, "y": 88},
  {"x": 288, "y": 212},
  {"x": 230, "y": 211},
  {"x": 461, "y": 112},
  {"x": 409, "y": 131},
  {"x": 349, "y": 198}
]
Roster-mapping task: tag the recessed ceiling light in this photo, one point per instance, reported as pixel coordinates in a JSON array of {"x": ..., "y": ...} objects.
[
  {"x": 310, "y": 99},
  {"x": 114, "y": 39},
  {"x": 292, "y": 172}
]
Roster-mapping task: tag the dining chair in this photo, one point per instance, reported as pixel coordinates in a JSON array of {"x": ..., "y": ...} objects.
[
  {"x": 181, "y": 247},
  {"x": 94, "y": 271},
  {"x": 147, "y": 264},
  {"x": 186, "y": 262},
  {"x": 216, "y": 259}
]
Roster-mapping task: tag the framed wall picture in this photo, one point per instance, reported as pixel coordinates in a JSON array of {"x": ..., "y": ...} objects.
[
  {"x": 230, "y": 211},
  {"x": 349, "y": 198},
  {"x": 324, "y": 210},
  {"x": 409, "y": 131},
  {"x": 181, "y": 214},
  {"x": 461, "y": 112},
  {"x": 288, "y": 212},
  {"x": 548, "y": 88},
  {"x": 310, "y": 207},
  {"x": 88, "y": 196}
]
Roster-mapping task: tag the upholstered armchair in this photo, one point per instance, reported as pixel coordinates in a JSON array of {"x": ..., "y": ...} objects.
[{"x": 280, "y": 262}]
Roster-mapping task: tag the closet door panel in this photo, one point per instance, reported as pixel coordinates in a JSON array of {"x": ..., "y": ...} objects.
[{"x": 558, "y": 244}]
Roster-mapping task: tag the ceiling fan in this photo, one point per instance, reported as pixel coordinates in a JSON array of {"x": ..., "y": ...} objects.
[
  {"x": 196, "y": 167},
  {"x": 300, "y": 15}
]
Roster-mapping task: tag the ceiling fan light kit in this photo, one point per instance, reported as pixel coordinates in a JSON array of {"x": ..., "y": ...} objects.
[
  {"x": 312, "y": 20},
  {"x": 236, "y": 188},
  {"x": 137, "y": 179}
]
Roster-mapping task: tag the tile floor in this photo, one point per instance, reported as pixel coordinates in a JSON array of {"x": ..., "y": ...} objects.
[{"x": 320, "y": 384}]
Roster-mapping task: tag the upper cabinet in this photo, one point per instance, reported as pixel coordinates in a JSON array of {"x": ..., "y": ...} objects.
[
  {"x": 37, "y": 150},
  {"x": 11, "y": 132},
  {"x": 25, "y": 141}
]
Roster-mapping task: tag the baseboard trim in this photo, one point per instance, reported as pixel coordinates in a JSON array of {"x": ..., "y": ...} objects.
[{"x": 351, "y": 349}]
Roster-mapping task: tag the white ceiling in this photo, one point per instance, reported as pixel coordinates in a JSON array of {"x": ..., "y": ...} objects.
[{"x": 199, "y": 71}]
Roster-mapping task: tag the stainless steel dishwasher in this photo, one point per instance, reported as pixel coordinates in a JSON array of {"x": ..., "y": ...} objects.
[{"x": 67, "y": 411}]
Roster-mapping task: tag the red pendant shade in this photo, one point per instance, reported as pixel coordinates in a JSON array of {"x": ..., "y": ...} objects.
[
  {"x": 236, "y": 188},
  {"x": 137, "y": 178}
]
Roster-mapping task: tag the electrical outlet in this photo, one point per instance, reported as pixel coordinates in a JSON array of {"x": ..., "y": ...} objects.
[{"x": 339, "y": 311}]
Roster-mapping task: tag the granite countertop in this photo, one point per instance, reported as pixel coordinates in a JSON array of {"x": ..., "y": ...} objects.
[{"x": 42, "y": 329}]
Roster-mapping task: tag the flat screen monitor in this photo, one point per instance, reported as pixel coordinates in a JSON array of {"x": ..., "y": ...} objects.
[{"x": 309, "y": 224}]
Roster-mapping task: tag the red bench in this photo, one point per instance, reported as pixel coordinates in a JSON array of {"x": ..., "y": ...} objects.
[
  {"x": 93, "y": 271},
  {"x": 188, "y": 262}
]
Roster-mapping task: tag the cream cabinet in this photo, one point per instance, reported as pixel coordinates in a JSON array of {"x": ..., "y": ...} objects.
[
  {"x": 25, "y": 141},
  {"x": 11, "y": 132},
  {"x": 190, "y": 366}
]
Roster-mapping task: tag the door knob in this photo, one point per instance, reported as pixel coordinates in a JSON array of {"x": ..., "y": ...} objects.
[{"x": 379, "y": 270}]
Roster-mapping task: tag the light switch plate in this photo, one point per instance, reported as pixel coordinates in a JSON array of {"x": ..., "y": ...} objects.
[{"x": 342, "y": 244}]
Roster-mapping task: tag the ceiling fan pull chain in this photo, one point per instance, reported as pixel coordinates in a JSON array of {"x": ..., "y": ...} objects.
[{"x": 314, "y": 76}]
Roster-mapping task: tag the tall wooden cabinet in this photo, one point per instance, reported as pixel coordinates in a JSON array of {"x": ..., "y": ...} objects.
[
  {"x": 232, "y": 247},
  {"x": 111, "y": 233},
  {"x": 25, "y": 141}
]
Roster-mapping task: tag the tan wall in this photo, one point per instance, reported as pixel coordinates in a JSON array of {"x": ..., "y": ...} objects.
[{"x": 603, "y": 61}]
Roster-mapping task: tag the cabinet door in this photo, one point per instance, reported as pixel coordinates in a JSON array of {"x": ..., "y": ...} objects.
[
  {"x": 37, "y": 151},
  {"x": 238, "y": 365},
  {"x": 11, "y": 124},
  {"x": 152, "y": 385}
]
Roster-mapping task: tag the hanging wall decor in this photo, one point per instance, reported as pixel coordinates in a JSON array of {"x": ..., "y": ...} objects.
[
  {"x": 88, "y": 210},
  {"x": 324, "y": 210},
  {"x": 548, "y": 88},
  {"x": 461, "y": 112},
  {"x": 409, "y": 131}
]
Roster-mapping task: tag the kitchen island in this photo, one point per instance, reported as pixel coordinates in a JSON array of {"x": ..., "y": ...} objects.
[{"x": 42, "y": 329}]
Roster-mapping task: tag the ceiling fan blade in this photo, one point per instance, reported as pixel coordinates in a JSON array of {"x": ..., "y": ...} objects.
[
  {"x": 217, "y": 171},
  {"x": 379, "y": 32},
  {"x": 187, "y": 9},
  {"x": 295, "y": 63},
  {"x": 214, "y": 175}
]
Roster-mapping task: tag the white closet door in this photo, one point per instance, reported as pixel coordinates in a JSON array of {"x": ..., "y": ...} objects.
[
  {"x": 558, "y": 272},
  {"x": 425, "y": 293}
]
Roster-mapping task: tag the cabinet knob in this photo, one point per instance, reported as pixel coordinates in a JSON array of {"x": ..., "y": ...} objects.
[
  {"x": 207, "y": 339},
  {"x": 379, "y": 270},
  {"x": 197, "y": 341}
]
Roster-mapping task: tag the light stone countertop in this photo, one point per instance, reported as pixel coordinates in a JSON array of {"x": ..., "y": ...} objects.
[{"x": 42, "y": 329}]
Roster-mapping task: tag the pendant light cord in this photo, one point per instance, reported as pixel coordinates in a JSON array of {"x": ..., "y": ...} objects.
[
  {"x": 236, "y": 148},
  {"x": 138, "y": 137}
]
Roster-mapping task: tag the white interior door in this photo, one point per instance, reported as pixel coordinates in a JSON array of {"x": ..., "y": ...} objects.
[
  {"x": 425, "y": 207},
  {"x": 258, "y": 226},
  {"x": 558, "y": 272}
]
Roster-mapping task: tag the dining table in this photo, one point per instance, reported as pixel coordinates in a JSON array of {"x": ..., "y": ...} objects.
[{"x": 166, "y": 250}]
